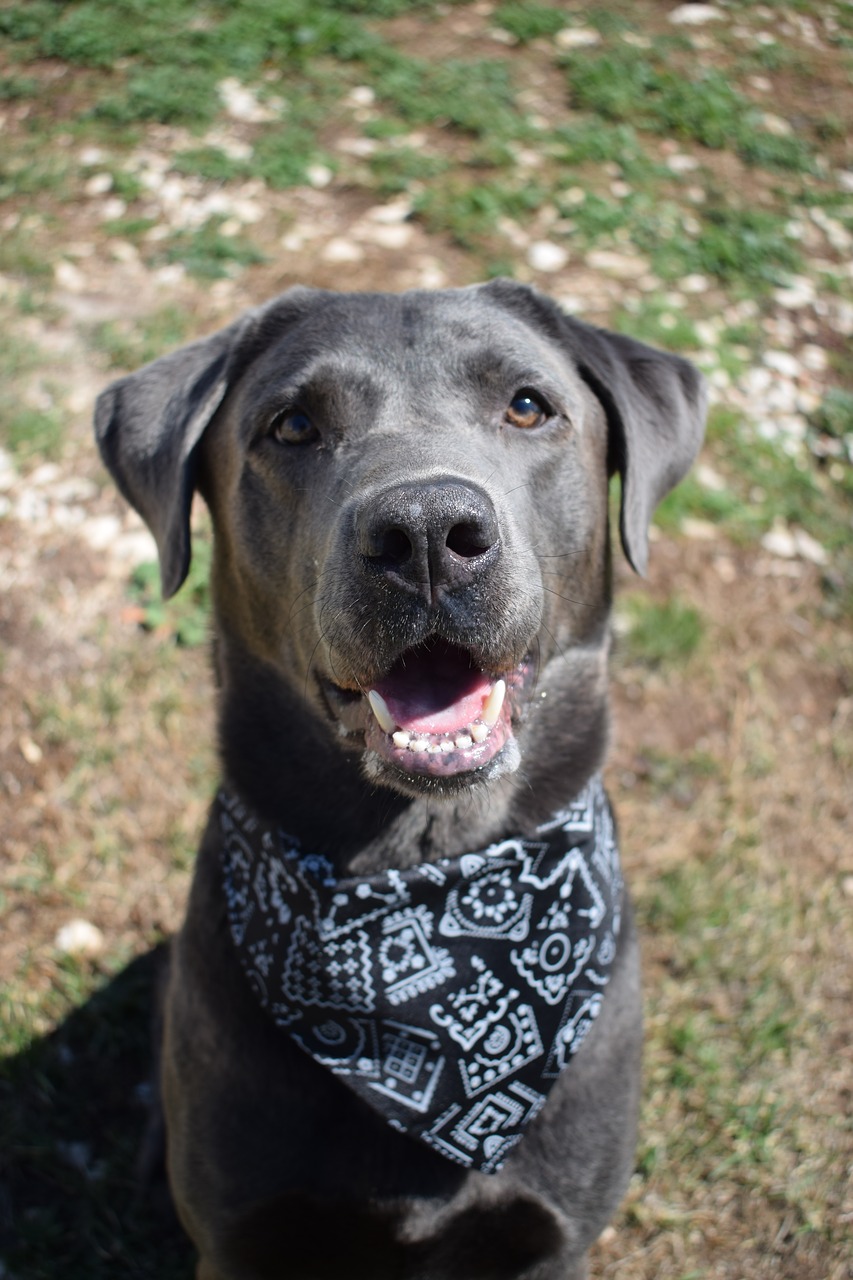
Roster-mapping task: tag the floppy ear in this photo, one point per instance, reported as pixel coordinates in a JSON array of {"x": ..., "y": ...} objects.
[
  {"x": 655, "y": 405},
  {"x": 148, "y": 426}
]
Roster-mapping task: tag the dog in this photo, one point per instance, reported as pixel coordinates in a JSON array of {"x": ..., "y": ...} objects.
[{"x": 403, "y": 1025}]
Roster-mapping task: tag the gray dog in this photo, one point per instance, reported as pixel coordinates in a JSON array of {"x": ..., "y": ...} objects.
[{"x": 402, "y": 1023}]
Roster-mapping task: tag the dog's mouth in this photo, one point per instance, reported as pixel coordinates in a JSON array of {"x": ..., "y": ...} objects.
[{"x": 436, "y": 713}]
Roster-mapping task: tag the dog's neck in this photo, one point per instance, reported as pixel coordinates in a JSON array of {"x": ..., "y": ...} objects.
[{"x": 290, "y": 768}]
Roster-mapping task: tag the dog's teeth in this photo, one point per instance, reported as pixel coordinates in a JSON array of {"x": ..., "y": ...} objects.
[
  {"x": 445, "y": 745},
  {"x": 379, "y": 707},
  {"x": 494, "y": 702},
  {"x": 419, "y": 746},
  {"x": 464, "y": 741},
  {"x": 401, "y": 738},
  {"x": 434, "y": 749},
  {"x": 479, "y": 732}
]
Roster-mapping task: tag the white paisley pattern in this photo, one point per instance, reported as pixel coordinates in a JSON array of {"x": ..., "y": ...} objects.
[{"x": 449, "y": 996}]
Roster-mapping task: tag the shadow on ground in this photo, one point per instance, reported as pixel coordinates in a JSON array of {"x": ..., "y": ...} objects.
[{"x": 73, "y": 1119}]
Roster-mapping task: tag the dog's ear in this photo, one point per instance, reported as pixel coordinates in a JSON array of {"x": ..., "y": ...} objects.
[
  {"x": 655, "y": 405},
  {"x": 148, "y": 426}
]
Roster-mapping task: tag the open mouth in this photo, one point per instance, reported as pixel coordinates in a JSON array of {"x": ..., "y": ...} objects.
[{"x": 437, "y": 714}]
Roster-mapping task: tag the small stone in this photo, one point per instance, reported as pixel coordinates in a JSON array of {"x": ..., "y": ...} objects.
[
  {"x": 340, "y": 250},
  {"x": 394, "y": 211},
  {"x": 242, "y": 104},
  {"x": 776, "y": 125},
  {"x": 30, "y": 750},
  {"x": 694, "y": 284},
  {"x": 356, "y": 146},
  {"x": 576, "y": 38},
  {"x": 101, "y": 531},
  {"x": 623, "y": 265},
  {"x": 680, "y": 163},
  {"x": 390, "y": 237},
  {"x": 79, "y": 937},
  {"x": 782, "y": 362},
  {"x": 710, "y": 479},
  {"x": 319, "y": 176},
  {"x": 814, "y": 358},
  {"x": 90, "y": 156},
  {"x": 699, "y": 530},
  {"x": 544, "y": 255},
  {"x": 808, "y": 548},
  {"x": 779, "y": 541},
  {"x": 361, "y": 96},
  {"x": 695, "y": 15},
  {"x": 69, "y": 277},
  {"x": 725, "y": 569},
  {"x": 98, "y": 185}
]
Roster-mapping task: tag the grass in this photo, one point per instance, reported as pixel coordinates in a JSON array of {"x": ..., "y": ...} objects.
[
  {"x": 127, "y": 344},
  {"x": 627, "y": 86},
  {"x": 660, "y": 635},
  {"x": 187, "y": 616},
  {"x": 743, "y": 931},
  {"x": 26, "y": 431}
]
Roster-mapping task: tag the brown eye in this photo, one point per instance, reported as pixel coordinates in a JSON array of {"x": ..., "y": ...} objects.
[
  {"x": 526, "y": 410},
  {"x": 293, "y": 426}
]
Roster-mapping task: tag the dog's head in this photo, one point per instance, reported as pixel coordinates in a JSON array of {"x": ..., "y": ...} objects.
[{"x": 409, "y": 495}]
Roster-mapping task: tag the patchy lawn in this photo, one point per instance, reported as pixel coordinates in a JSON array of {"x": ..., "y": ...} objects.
[{"x": 165, "y": 165}]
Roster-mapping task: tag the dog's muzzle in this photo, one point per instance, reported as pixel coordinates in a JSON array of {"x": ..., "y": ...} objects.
[{"x": 443, "y": 683}]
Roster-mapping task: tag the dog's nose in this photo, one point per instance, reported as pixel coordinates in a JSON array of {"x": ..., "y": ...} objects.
[{"x": 428, "y": 536}]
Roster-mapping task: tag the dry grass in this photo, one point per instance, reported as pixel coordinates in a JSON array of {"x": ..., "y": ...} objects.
[{"x": 732, "y": 765}]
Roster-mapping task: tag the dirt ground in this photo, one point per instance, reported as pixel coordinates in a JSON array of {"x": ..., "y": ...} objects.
[{"x": 731, "y": 771}]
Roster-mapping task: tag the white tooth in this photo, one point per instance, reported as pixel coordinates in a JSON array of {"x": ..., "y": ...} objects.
[
  {"x": 401, "y": 738},
  {"x": 463, "y": 741},
  {"x": 446, "y": 745},
  {"x": 479, "y": 732},
  {"x": 379, "y": 707},
  {"x": 419, "y": 746},
  {"x": 494, "y": 702},
  {"x": 434, "y": 749}
]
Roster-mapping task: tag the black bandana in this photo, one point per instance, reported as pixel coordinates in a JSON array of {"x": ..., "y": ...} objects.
[{"x": 450, "y": 995}]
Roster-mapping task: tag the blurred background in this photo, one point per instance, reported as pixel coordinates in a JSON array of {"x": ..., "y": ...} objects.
[{"x": 682, "y": 173}]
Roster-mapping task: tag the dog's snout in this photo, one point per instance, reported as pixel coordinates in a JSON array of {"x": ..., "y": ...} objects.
[{"x": 430, "y": 536}]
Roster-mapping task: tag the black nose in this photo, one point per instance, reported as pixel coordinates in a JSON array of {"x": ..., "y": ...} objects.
[{"x": 429, "y": 536}]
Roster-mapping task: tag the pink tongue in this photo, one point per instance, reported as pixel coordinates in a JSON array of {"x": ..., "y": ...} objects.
[{"x": 434, "y": 691}]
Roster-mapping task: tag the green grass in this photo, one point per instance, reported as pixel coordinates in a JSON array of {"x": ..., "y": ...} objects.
[
  {"x": 208, "y": 254},
  {"x": 660, "y": 635},
  {"x": 127, "y": 344},
  {"x": 630, "y": 86},
  {"x": 187, "y": 616},
  {"x": 530, "y": 22},
  {"x": 27, "y": 432}
]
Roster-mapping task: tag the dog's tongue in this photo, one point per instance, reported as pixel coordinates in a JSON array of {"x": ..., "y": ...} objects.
[{"x": 434, "y": 690}]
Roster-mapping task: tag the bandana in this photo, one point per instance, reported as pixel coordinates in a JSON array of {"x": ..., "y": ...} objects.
[{"x": 449, "y": 996}]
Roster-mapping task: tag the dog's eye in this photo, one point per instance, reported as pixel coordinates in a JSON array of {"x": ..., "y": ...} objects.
[
  {"x": 526, "y": 410},
  {"x": 293, "y": 426}
]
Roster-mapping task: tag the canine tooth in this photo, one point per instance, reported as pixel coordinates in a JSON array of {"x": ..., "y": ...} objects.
[
  {"x": 379, "y": 707},
  {"x": 419, "y": 746},
  {"x": 463, "y": 741},
  {"x": 494, "y": 702},
  {"x": 479, "y": 732},
  {"x": 401, "y": 738},
  {"x": 445, "y": 745},
  {"x": 434, "y": 749}
]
